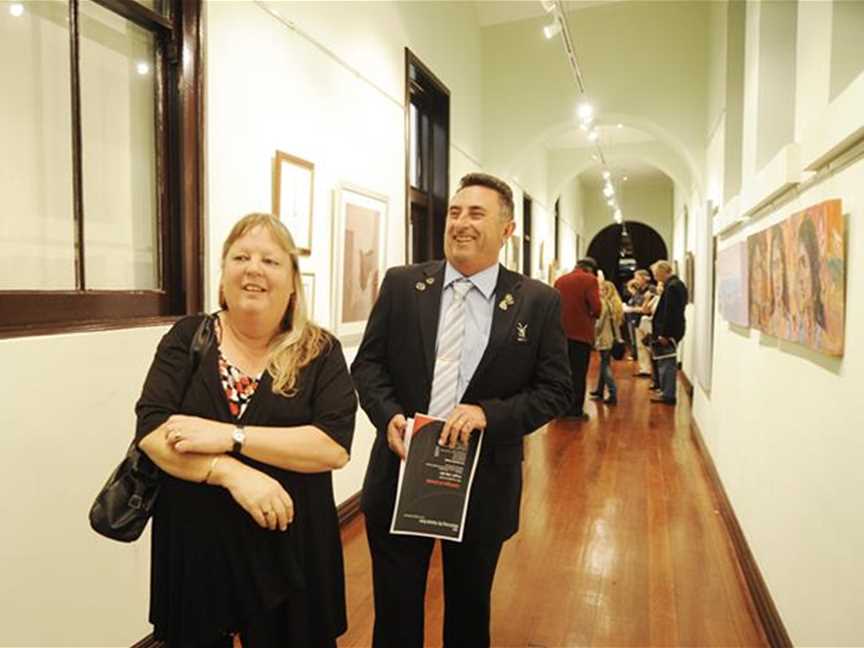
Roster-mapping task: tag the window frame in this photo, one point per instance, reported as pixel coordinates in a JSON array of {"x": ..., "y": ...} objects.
[{"x": 179, "y": 72}]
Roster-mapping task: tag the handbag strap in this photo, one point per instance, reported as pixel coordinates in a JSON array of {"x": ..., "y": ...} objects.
[{"x": 202, "y": 340}]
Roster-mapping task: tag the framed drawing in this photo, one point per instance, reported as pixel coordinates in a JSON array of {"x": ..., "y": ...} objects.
[
  {"x": 359, "y": 227},
  {"x": 293, "y": 185},
  {"x": 689, "y": 275},
  {"x": 308, "y": 281}
]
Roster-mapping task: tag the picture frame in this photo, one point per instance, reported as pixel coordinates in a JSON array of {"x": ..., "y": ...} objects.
[
  {"x": 359, "y": 257},
  {"x": 293, "y": 197},
  {"x": 307, "y": 279}
]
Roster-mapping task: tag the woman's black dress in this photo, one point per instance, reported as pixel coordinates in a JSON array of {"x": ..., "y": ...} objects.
[{"x": 213, "y": 569}]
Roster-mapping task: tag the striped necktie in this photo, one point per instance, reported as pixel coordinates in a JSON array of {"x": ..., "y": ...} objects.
[{"x": 446, "y": 376}]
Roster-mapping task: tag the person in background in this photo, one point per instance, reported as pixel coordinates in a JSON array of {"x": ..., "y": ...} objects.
[
  {"x": 608, "y": 331},
  {"x": 246, "y": 545},
  {"x": 580, "y": 308},
  {"x": 668, "y": 330}
]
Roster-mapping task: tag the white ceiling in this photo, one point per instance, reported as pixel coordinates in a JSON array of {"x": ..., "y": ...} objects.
[
  {"x": 495, "y": 12},
  {"x": 633, "y": 170},
  {"x": 609, "y": 136}
]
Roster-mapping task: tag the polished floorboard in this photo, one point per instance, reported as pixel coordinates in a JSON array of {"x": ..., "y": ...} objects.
[{"x": 621, "y": 542}]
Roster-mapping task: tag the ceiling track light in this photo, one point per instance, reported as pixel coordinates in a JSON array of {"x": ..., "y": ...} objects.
[{"x": 551, "y": 30}]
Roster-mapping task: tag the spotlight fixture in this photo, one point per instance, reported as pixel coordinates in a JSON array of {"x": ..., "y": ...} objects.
[
  {"x": 593, "y": 135},
  {"x": 606, "y": 175},
  {"x": 585, "y": 112},
  {"x": 610, "y": 202},
  {"x": 624, "y": 178},
  {"x": 16, "y": 9},
  {"x": 608, "y": 191},
  {"x": 551, "y": 30},
  {"x": 142, "y": 68},
  {"x": 620, "y": 125}
]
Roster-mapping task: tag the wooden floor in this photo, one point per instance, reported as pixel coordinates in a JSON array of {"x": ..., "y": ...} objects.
[{"x": 620, "y": 541}]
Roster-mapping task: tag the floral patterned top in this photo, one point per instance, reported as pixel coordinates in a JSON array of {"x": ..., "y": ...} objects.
[{"x": 238, "y": 386}]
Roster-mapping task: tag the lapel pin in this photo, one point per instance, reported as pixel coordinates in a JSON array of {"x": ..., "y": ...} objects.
[
  {"x": 430, "y": 280},
  {"x": 503, "y": 304},
  {"x": 420, "y": 286},
  {"x": 521, "y": 332}
]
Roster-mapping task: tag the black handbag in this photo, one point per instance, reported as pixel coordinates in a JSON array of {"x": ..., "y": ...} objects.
[
  {"x": 618, "y": 349},
  {"x": 125, "y": 503}
]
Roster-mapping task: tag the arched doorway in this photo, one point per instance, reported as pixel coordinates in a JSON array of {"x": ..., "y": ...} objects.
[{"x": 621, "y": 249}]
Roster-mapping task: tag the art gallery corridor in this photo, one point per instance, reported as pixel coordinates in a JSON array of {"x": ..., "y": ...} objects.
[{"x": 621, "y": 542}]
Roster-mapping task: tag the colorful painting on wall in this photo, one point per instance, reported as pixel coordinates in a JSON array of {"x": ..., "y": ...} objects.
[
  {"x": 798, "y": 278},
  {"x": 732, "y": 284}
]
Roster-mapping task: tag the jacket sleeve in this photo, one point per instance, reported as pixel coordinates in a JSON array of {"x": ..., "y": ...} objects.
[
  {"x": 167, "y": 378},
  {"x": 547, "y": 396},
  {"x": 592, "y": 299},
  {"x": 370, "y": 369}
]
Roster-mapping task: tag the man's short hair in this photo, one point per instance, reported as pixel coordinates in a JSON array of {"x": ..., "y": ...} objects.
[
  {"x": 645, "y": 274},
  {"x": 663, "y": 265},
  {"x": 505, "y": 193},
  {"x": 587, "y": 263}
]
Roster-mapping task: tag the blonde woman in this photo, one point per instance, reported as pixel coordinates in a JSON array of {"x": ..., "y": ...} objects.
[
  {"x": 246, "y": 545},
  {"x": 607, "y": 330}
]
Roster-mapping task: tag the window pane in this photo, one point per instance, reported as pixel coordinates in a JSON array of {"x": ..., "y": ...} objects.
[
  {"x": 153, "y": 5},
  {"x": 119, "y": 151},
  {"x": 37, "y": 249}
]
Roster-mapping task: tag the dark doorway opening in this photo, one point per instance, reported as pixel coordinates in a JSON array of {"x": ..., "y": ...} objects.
[
  {"x": 620, "y": 250},
  {"x": 427, "y": 132}
]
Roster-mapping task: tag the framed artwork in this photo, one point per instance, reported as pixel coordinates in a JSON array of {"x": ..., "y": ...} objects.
[
  {"x": 308, "y": 281},
  {"x": 689, "y": 275},
  {"x": 733, "y": 288},
  {"x": 797, "y": 278},
  {"x": 359, "y": 226},
  {"x": 293, "y": 185}
]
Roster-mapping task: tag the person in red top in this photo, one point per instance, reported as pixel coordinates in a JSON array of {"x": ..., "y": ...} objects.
[{"x": 580, "y": 307}]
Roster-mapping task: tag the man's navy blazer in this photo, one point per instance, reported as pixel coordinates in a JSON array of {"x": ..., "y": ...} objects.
[{"x": 522, "y": 382}]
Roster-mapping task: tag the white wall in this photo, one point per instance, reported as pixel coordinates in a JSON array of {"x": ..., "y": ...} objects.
[
  {"x": 782, "y": 422},
  {"x": 572, "y": 224},
  {"x": 67, "y": 420}
]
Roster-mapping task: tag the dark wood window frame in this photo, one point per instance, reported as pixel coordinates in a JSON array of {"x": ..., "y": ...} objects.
[
  {"x": 179, "y": 71},
  {"x": 425, "y": 198}
]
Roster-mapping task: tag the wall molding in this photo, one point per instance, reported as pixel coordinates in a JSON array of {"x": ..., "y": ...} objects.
[{"x": 766, "y": 614}]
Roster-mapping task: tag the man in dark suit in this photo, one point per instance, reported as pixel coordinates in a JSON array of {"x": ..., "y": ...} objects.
[
  {"x": 580, "y": 308},
  {"x": 668, "y": 330},
  {"x": 509, "y": 377}
]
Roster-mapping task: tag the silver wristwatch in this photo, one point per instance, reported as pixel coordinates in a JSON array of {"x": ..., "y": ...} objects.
[{"x": 239, "y": 437}]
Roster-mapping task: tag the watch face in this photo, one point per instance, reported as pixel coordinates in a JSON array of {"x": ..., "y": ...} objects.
[{"x": 239, "y": 435}]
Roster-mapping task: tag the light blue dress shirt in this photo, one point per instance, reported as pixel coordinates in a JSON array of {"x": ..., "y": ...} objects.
[{"x": 479, "y": 308}]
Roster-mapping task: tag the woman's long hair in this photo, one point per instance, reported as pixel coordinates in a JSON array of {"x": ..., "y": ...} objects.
[
  {"x": 610, "y": 293},
  {"x": 301, "y": 340}
]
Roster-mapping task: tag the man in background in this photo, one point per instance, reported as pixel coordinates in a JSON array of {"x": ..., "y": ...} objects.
[
  {"x": 580, "y": 308},
  {"x": 668, "y": 330}
]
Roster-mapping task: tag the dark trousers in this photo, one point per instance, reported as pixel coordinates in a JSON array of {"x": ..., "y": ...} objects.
[
  {"x": 399, "y": 567},
  {"x": 580, "y": 356}
]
